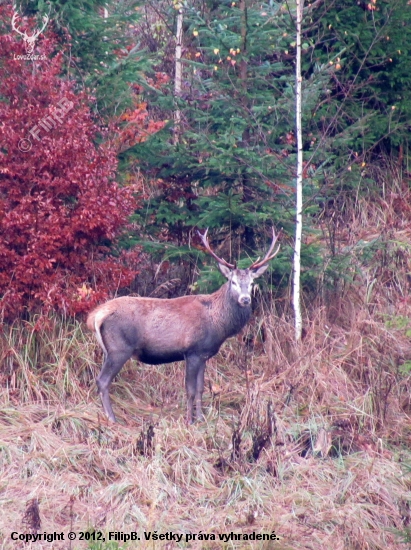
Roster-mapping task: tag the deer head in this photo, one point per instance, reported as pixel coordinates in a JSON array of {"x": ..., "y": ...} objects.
[
  {"x": 241, "y": 280},
  {"x": 29, "y": 41}
]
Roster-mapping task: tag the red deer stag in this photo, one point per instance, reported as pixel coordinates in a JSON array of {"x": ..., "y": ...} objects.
[{"x": 189, "y": 328}]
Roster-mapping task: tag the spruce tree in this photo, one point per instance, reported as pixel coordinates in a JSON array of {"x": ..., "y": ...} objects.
[{"x": 101, "y": 43}]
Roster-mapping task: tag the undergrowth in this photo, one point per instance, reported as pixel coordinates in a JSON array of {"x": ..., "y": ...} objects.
[{"x": 310, "y": 442}]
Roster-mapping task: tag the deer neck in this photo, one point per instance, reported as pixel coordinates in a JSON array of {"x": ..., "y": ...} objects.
[{"x": 229, "y": 317}]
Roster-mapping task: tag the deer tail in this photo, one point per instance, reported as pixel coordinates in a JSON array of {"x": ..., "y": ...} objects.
[{"x": 95, "y": 320}]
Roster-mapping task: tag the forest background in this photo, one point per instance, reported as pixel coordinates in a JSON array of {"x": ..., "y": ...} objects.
[{"x": 108, "y": 166}]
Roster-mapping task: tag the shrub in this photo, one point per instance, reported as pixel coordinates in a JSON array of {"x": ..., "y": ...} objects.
[{"x": 61, "y": 210}]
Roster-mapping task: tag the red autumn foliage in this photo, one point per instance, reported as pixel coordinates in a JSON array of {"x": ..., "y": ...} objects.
[
  {"x": 136, "y": 126},
  {"x": 61, "y": 210}
]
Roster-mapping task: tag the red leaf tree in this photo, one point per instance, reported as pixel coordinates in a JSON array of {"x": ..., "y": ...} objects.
[{"x": 61, "y": 209}]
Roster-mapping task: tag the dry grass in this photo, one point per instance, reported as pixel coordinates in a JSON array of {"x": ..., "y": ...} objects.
[
  {"x": 312, "y": 442},
  {"x": 333, "y": 473}
]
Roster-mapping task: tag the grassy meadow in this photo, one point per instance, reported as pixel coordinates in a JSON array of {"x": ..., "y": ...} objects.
[{"x": 311, "y": 443}]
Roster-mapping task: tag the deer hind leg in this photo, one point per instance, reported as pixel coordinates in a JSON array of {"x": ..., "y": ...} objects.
[
  {"x": 111, "y": 367},
  {"x": 195, "y": 368}
]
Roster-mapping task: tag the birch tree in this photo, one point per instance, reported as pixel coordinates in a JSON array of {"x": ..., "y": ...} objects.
[
  {"x": 178, "y": 71},
  {"x": 299, "y": 179}
]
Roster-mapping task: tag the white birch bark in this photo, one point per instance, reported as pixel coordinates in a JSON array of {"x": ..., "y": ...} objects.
[
  {"x": 299, "y": 180},
  {"x": 178, "y": 73}
]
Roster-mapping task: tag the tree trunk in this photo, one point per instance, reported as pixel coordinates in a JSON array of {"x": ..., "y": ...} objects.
[
  {"x": 178, "y": 75},
  {"x": 299, "y": 181}
]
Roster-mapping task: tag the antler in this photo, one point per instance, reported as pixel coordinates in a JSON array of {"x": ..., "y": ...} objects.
[
  {"x": 46, "y": 20},
  {"x": 207, "y": 246},
  {"x": 13, "y": 24},
  {"x": 267, "y": 257}
]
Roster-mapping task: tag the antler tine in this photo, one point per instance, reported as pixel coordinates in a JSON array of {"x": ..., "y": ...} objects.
[
  {"x": 208, "y": 248},
  {"x": 46, "y": 20},
  {"x": 267, "y": 257},
  {"x": 13, "y": 24}
]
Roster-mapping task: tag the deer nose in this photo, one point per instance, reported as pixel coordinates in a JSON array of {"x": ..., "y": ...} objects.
[{"x": 245, "y": 300}]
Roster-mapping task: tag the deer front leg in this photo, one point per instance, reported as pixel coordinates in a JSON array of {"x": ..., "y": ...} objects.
[{"x": 195, "y": 367}]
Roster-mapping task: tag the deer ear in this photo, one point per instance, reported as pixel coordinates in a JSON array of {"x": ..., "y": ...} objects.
[
  {"x": 225, "y": 271},
  {"x": 259, "y": 271}
]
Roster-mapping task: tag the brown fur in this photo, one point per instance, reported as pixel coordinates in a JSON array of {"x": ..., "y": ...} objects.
[{"x": 189, "y": 328}]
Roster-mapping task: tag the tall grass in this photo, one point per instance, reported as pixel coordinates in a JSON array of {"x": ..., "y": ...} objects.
[
  {"x": 310, "y": 441},
  {"x": 308, "y": 444}
]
